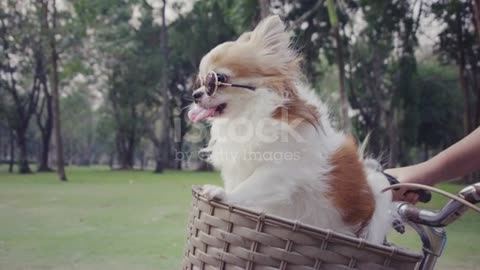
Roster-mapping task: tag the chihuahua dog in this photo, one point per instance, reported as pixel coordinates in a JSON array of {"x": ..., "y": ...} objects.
[{"x": 273, "y": 141}]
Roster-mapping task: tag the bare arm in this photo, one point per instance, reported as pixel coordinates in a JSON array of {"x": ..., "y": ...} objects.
[{"x": 457, "y": 160}]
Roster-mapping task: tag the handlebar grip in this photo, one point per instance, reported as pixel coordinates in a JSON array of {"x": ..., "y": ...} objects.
[
  {"x": 424, "y": 196},
  {"x": 477, "y": 189},
  {"x": 471, "y": 193}
]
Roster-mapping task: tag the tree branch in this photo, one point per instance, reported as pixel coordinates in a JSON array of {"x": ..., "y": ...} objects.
[{"x": 305, "y": 16}]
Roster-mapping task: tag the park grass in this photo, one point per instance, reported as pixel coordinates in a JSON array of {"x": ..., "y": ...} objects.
[{"x": 104, "y": 219}]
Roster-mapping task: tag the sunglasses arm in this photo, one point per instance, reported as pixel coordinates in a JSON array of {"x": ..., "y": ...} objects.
[{"x": 237, "y": 85}]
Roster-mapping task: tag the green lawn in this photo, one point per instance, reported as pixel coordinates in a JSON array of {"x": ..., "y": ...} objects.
[{"x": 131, "y": 220}]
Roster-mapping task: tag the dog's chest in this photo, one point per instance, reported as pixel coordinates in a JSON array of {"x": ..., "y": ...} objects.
[{"x": 235, "y": 162}]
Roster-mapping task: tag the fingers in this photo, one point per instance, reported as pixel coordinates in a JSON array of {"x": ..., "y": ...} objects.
[
  {"x": 405, "y": 195},
  {"x": 398, "y": 195},
  {"x": 411, "y": 197}
]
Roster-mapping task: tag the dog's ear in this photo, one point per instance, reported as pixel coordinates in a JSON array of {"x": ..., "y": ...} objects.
[{"x": 270, "y": 34}]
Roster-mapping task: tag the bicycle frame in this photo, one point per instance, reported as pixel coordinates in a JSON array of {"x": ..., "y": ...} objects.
[
  {"x": 430, "y": 224},
  {"x": 433, "y": 242}
]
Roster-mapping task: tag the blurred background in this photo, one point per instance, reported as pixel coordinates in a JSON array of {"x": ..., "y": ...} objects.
[{"x": 94, "y": 92}]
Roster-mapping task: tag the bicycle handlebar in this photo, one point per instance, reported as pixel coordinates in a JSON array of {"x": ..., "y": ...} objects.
[
  {"x": 423, "y": 195},
  {"x": 429, "y": 224},
  {"x": 448, "y": 214},
  {"x": 471, "y": 193}
]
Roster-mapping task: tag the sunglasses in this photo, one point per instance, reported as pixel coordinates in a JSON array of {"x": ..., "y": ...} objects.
[{"x": 213, "y": 81}]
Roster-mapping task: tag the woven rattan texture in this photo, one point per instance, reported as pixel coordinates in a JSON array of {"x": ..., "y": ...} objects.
[{"x": 233, "y": 238}]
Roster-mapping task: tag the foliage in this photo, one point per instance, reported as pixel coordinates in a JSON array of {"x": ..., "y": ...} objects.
[
  {"x": 438, "y": 120},
  {"x": 459, "y": 44},
  {"x": 20, "y": 67},
  {"x": 313, "y": 41},
  {"x": 79, "y": 125},
  {"x": 120, "y": 89},
  {"x": 381, "y": 71}
]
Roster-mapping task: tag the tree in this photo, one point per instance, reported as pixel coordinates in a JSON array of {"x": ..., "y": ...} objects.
[
  {"x": 51, "y": 28},
  {"x": 380, "y": 74},
  {"x": 125, "y": 61},
  {"x": 126, "y": 106},
  {"x": 332, "y": 14},
  {"x": 476, "y": 13},
  {"x": 160, "y": 137},
  {"x": 439, "y": 100},
  {"x": 7, "y": 138},
  {"x": 191, "y": 36},
  {"x": 79, "y": 127},
  {"x": 458, "y": 45},
  {"x": 44, "y": 117},
  {"x": 309, "y": 21},
  {"x": 264, "y": 8},
  {"x": 20, "y": 80}
]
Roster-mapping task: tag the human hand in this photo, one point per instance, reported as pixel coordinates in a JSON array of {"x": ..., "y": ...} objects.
[{"x": 410, "y": 174}]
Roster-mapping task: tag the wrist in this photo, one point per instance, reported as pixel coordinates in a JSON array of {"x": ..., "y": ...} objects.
[{"x": 428, "y": 173}]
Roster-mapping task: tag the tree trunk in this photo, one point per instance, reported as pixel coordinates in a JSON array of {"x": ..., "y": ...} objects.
[
  {"x": 466, "y": 94},
  {"x": 55, "y": 85},
  {"x": 159, "y": 166},
  {"x": 477, "y": 116},
  {"x": 46, "y": 134},
  {"x": 426, "y": 156},
  {"x": 347, "y": 126},
  {"x": 12, "y": 152},
  {"x": 44, "y": 113},
  {"x": 24, "y": 103},
  {"x": 126, "y": 151},
  {"x": 142, "y": 160},
  {"x": 462, "y": 78},
  {"x": 332, "y": 13},
  {"x": 178, "y": 162},
  {"x": 476, "y": 91},
  {"x": 162, "y": 148},
  {"x": 130, "y": 156},
  {"x": 476, "y": 11},
  {"x": 176, "y": 139},
  {"x": 44, "y": 155},
  {"x": 111, "y": 157},
  {"x": 181, "y": 129},
  {"x": 392, "y": 136},
  {"x": 264, "y": 6},
  {"x": 23, "y": 154}
]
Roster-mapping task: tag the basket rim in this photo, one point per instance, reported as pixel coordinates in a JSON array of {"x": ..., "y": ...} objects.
[{"x": 297, "y": 226}]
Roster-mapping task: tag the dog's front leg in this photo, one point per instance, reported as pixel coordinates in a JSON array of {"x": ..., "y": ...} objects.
[
  {"x": 212, "y": 192},
  {"x": 263, "y": 188}
]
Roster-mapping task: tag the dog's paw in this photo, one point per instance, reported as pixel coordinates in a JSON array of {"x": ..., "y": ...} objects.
[{"x": 212, "y": 192}]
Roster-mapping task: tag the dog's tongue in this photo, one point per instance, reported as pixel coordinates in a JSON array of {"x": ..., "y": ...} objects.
[{"x": 197, "y": 113}]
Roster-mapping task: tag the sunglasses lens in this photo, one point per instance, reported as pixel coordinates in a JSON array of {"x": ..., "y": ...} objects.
[{"x": 211, "y": 83}]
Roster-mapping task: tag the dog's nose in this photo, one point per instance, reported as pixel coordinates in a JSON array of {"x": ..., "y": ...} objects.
[{"x": 197, "y": 94}]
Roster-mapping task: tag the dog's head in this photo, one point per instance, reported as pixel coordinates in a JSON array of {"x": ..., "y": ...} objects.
[{"x": 236, "y": 73}]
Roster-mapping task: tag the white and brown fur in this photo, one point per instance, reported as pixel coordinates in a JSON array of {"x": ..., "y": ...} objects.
[{"x": 330, "y": 185}]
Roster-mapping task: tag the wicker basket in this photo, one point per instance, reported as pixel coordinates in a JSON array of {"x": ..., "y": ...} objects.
[{"x": 233, "y": 238}]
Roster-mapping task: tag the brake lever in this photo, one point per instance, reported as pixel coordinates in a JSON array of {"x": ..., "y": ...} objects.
[{"x": 424, "y": 196}]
